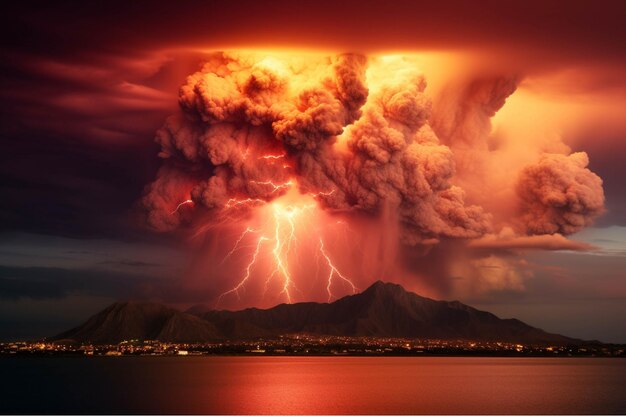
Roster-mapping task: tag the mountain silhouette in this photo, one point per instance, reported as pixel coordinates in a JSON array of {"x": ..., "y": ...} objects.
[
  {"x": 382, "y": 310},
  {"x": 145, "y": 321}
]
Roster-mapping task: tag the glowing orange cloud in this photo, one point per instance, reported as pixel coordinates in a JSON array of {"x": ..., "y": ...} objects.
[{"x": 266, "y": 142}]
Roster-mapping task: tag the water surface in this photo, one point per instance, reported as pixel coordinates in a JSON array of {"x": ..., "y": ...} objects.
[{"x": 312, "y": 385}]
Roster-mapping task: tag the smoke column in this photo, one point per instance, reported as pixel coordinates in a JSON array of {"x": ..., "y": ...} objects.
[{"x": 313, "y": 176}]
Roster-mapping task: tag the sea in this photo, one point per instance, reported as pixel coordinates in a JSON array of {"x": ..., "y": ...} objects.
[{"x": 311, "y": 385}]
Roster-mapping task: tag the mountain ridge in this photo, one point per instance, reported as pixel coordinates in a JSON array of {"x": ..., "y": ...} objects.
[{"x": 381, "y": 310}]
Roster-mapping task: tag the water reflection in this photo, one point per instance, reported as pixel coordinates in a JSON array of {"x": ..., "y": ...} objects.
[{"x": 315, "y": 385}]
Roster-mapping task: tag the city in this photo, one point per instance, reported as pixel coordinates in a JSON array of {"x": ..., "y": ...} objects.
[{"x": 314, "y": 345}]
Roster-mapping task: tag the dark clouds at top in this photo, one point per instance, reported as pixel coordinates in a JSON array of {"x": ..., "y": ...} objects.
[{"x": 573, "y": 29}]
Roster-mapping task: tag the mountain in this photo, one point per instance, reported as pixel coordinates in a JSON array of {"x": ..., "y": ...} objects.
[
  {"x": 382, "y": 310},
  {"x": 144, "y": 321}
]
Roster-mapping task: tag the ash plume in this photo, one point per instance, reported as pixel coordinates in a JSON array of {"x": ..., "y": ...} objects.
[
  {"x": 252, "y": 128},
  {"x": 559, "y": 194},
  {"x": 237, "y": 110}
]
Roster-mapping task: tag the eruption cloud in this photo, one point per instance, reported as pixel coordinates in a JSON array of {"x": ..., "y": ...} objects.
[{"x": 293, "y": 151}]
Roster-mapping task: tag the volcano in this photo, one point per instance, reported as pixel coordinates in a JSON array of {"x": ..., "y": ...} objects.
[{"x": 382, "y": 310}]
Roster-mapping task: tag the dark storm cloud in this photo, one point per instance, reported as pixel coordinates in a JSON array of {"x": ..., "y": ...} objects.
[
  {"x": 66, "y": 187},
  {"x": 138, "y": 281},
  {"x": 57, "y": 283},
  {"x": 76, "y": 128},
  {"x": 14, "y": 289},
  {"x": 74, "y": 133},
  {"x": 44, "y": 282},
  {"x": 129, "y": 262},
  {"x": 575, "y": 29}
]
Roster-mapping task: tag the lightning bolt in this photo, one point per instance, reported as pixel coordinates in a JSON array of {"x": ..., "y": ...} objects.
[
  {"x": 233, "y": 202},
  {"x": 334, "y": 271},
  {"x": 236, "y": 246},
  {"x": 180, "y": 205},
  {"x": 276, "y": 187},
  {"x": 276, "y": 241},
  {"x": 324, "y": 193},
  {"x": 280, "y": 256},
  {"x": 272, "y": 156},
  {"x": 240, "y": 286}
]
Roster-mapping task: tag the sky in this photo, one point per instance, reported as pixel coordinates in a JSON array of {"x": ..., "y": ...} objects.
[{"x": 466, "y": 151}]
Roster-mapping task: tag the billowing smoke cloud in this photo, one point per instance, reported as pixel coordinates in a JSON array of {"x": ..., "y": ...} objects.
[
  {"x": 363, "y": 138},
  {"x": 247, "y": 123},
  {"x": 463, "y": 116},
  {"x": 240, "y": 115},
  {"x": 559, "y": 194}
]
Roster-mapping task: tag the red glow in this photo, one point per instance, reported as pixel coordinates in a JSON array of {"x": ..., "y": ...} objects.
[{"x": 282, "y": 233}]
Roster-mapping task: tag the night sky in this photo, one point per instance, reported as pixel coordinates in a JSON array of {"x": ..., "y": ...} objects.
[{"x": 84, "y": 88}]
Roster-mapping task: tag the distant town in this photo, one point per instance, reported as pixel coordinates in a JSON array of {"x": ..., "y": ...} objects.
[{"x": 313, "y": 345}]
